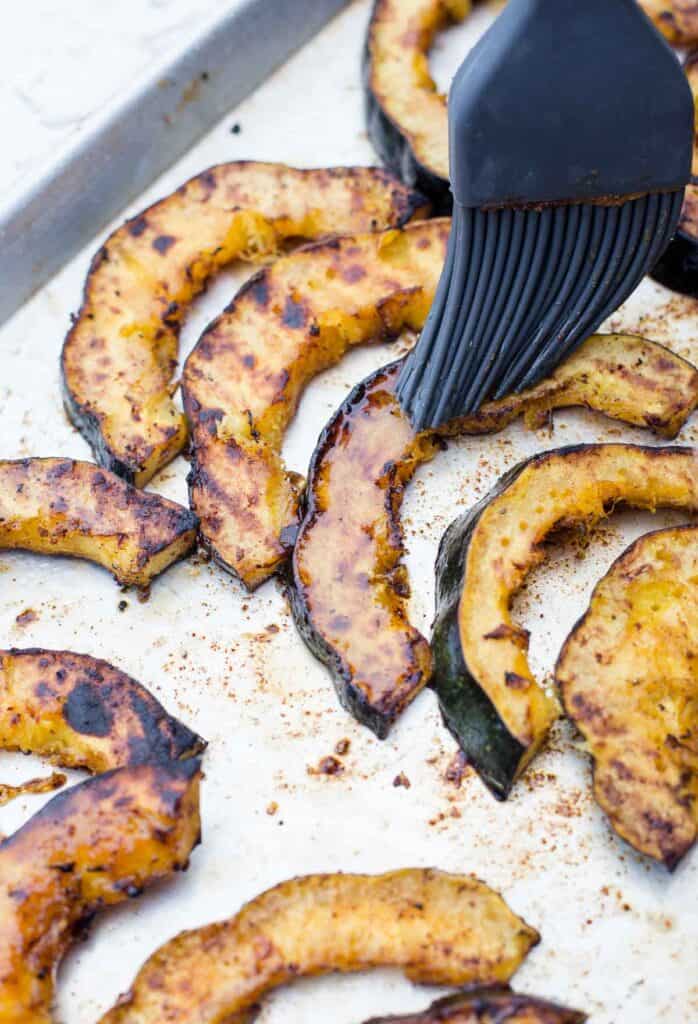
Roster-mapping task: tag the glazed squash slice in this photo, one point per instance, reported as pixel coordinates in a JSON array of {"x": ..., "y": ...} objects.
[
  {"x": 488, "y": 695},
  {"x": 406, "y": 116},
  {"x": 242, "y": 383},
  {"x": 95, "y": 845},
  {"x": 63, "y": 507},
  {"x": 82, "y": 712},
  {"x": 348, "y": 587},
  {"x": 494, "y": 1005},
  {"x": 438, "y": 928},
  {"x": 120, "y": 356},
  {"x": 629, "y": 680}
]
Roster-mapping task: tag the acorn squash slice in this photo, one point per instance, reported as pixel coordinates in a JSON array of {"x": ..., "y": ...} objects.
[
  {"x": 63, "y": 507},
  {"x": 629, "y": 679},
  {"x": 242, "y": 383},
  {"x": 488, "y": 695},
  {"x": 120, "y": 356},
  {"x": 95, "y": 845},
  {"x": 348, "y": 587},
  {"x": 438, "y": 928},
  {"x": 406, "y": 117},
  {"x": 81, "y": 712},
  {"x": 678, "y": 266},
  {"x": 494, "y": 1005}
]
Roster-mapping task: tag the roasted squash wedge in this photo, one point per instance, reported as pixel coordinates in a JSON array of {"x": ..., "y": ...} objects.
[
  {"x": 488, "y": 695},
  {"x": 678, "y": 266},
  {"x": 120, "y": 355},
  {"x": 242, "y": 383},
  {"x": 63, "y": 507},
  {"x": 95, "y": 845},
  {"x": 406, "y": 116},
  {"x": 629, "y": 680},
  {"x": 83, "y": 713},
  {"x": 438, "y": 928},
  {"x": 348, "y": 589},
  {"x": 494, "y": 1005}
]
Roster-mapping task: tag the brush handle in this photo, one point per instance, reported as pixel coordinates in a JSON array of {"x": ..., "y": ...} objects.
[{"x": 569, "y": 101}]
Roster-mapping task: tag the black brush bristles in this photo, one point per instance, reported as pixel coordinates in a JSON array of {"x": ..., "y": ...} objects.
[{"x": 520, "y": 290}]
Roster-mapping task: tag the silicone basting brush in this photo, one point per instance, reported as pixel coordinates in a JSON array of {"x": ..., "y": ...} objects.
[{"x": 570, "y": 141}]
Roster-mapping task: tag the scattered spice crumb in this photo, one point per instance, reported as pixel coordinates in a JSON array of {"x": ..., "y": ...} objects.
[
  {"x": 272, "y": 808},
  {"x": 122, "y": 606},
  {"x": 457, "y": 769},
  {"x": 401, "y": 780},
  {"x": 328, "y": 766},
  {"x": 26, "y": 617},
  {"x": 343, "y": 747}
]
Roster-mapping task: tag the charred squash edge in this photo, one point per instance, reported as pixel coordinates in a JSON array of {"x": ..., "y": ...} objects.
[
  {"x": 672, "y": 854},
  {"x": 69, "y": 488},
  {"x": 353, "y": 699},
  {"x": 411, "y": 205},
  {"x": 491, "y": 1005},
  {"x": 438, "y": 918},
  {"x": 107, "y": 719},
  {"x": 495, "y": 754},
  {"x": 677, "y": 268},
  {"x": 56, "y": 866}
]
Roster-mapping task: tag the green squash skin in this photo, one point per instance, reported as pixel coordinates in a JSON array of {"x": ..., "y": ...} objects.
[
  {"x": 677, "y": 268},
  {"x": 394, "y": 149},
  {"x": 468, "y": 713}
]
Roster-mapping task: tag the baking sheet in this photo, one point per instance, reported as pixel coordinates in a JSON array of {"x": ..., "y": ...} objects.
[{"x": 620, "y": 936}]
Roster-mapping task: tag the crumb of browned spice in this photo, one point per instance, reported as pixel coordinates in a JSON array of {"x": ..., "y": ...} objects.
[
  {"x": 401, "y": 780},
  {"x": 272, "y": 808},
  {"x": 26, "y": 617},
  {"x": 327, "y": 766},
  {"x": 342, "y": 747}
]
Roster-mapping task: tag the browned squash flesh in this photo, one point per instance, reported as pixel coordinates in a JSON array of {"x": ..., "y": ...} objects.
[
  {"x": 557, "y": 489},
  {"x": 629, "y": 679},
  {"x": 242, "y": 383},
  {"x": 120, "y": 357},
  {"x": 93, "y": 846},
  {"x": 677, "y": 20},
  {"x": 81, "y": 712},
  {"x": 63, "y": 507},
  {"x": 438, "y": 928},
  {"x": 494, "y": 1005},
  {"x": 350, "y": 589}
]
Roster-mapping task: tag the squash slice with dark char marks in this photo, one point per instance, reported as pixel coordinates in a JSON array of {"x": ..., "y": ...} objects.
[
  {"x": 81, "y": 712},
  {"x": 63, "y": 507},
  {"x": 438, "y": 928},
  {"x": 406, "y": 117},
  {"x": 629, "y": 679},
  {"x": 120, "y": 356},
  {"x": 348, "y": 587},
  {"x": 243, "y": 381},
  {"x": 495, "y": 1005},
  {"x": 95, "y": 845},
  {"x": 488, "y": 695}
]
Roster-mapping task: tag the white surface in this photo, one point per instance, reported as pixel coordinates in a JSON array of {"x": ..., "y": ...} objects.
[
  {"x": 619, "y": 935},
  {"x": 63, "y": 59}
]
